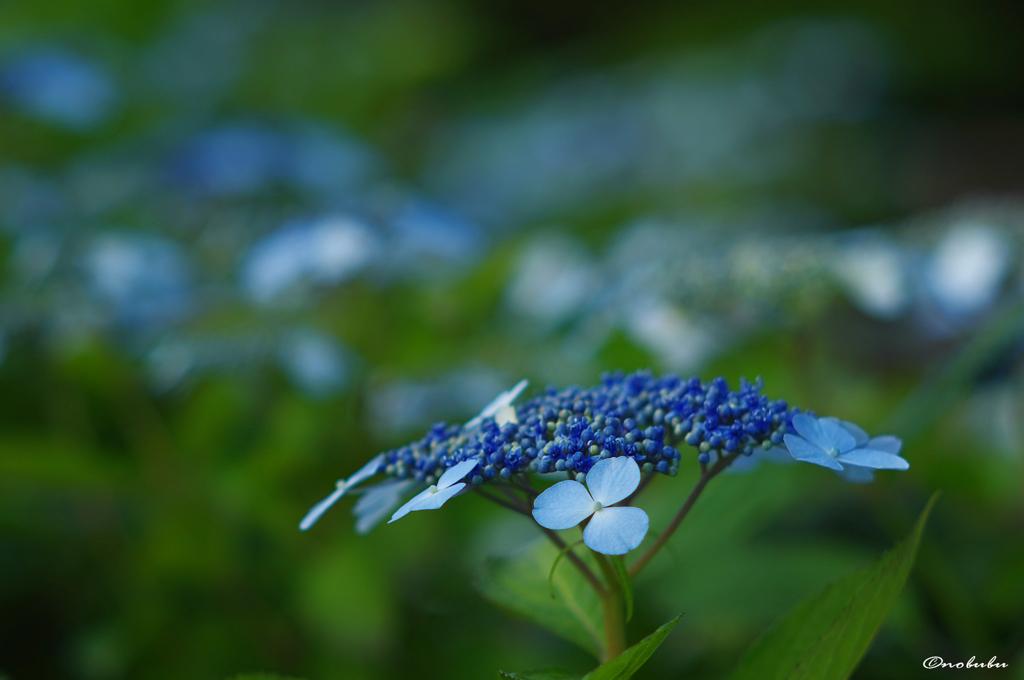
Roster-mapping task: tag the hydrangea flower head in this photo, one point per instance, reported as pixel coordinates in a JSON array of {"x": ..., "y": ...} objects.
[
  {"x": 831, "y": 443},
  {"x": 611, "y": 530},
  {"x": 637, "y": 416}
]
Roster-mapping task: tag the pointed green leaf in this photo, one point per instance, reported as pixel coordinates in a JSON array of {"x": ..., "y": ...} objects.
[
  {"x": 627, "y": 663},
  {"x": 626, "y": 584},
  {"x": 520, "y": 585},
  {"x": 825, "y": 636},
  {"x": 543, "y": 674},
  {"x": 261, "y": 676}
]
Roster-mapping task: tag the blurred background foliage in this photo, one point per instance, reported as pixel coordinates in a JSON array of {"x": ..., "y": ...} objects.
[{"x": 247, "y": 245}]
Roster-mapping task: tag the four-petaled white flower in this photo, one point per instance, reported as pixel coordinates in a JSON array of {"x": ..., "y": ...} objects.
[
  {"x": 833, "y": 443},
  {"x": 436, "y": 496},
  {"x": 611, "y": 531}
]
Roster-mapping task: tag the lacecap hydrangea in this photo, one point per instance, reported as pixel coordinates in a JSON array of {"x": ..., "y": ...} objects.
[{"x": 639, "y": 416}]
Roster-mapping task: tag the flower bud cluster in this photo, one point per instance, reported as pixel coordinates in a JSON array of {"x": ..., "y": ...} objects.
[{"x": 635, "y": 415}]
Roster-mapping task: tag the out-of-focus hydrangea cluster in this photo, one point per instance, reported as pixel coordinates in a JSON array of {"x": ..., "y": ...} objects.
[
  {"x": 202, "y": 240},
  {"x": 688, "y": 288},
  {"x": 638, "y": 415}
]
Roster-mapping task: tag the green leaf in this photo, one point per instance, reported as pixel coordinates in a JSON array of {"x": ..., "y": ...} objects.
[
  {"x": 627, "y": 663},
  {"x": 626, "y": 583},
  {"x": 261, "y": 676},
  {"x": 519, "y": 585},
  {"x": 825, "y": 636},
  {"x": 542, "y": 674},
  {"x": 561, "y": 553}
]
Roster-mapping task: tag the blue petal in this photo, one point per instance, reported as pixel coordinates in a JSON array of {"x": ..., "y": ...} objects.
[
  {"x": 433, "y": 501},
  {"x": 320, "y": 508},
  {"x": 856, "y": 431},
  {"x": 809, "y": 453},
  {"x": 612, "y": 479},
  {"x": 367, "y": 471},
  {"x": 563, "y": 506},
  {"x": 855, "y": 474},
  {"x": 808, "y": 428},
  {"x": 499, "y": 402},
  {"x": 872, "y": 458},
  {"x": 886, "y": 443},
  {"x": 378, "y": 502},
  {"x": 616, "y": 531},
  {"x": 837, "y": 436},
  {"x": 410, "y": 505},
  {"x": 364, "y": 473},
  {"x": 428, "y": 499},
  {"x": 456, "y": 472}
]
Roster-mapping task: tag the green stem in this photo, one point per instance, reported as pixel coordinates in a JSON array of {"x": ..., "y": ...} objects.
[
  {"x": 595, "y": 582},
  {"x": 614, "y": 612},
  {"x": 705, "y": 477},
  {"x": 522, "y": 509},
  {"x": 503, "y": 503}
]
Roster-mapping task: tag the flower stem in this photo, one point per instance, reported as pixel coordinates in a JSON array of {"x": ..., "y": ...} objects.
[
  {"x": 614, "y": 612},
  {"x": 595, "y": 582},
  {"x": 705, "y": 477},
  {"x": 523, "y": 509},
  {"x": 517, "y": 507}
]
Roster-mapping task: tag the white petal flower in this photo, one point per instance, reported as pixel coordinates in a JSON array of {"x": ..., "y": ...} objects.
[
  {"x": 611, "y": 531},
  {"x": 499, "y": 404},
  {"x": 438, "y": 494},
  {"x": 343, "y": 485}
]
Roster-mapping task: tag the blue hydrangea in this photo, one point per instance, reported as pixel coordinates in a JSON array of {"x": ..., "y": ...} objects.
[
  {"x": 843, "y": 446},
  {"x": 637, "y": 416},
  {"x": 611, "y": 530}
]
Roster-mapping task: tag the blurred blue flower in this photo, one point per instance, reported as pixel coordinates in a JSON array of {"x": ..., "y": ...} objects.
[
  {"x": 554, "y": 280},
  {"x": 611, "y": 531},
  {"x": 234, "y": 159},
  {"x": 145, "y": 279},
  {"x": 327, "y": 161},
  {"x": 325, "y": 250},
  {"x": 966, "y": 273},
  {"x": 315, "y": 362},
  {"x": 424, "y": 232},
  {"x": 438, "y": 494},
  {"x": 831, "y": 443},
  {"x": 875, "y": 273},
  {"x": 58, "y": 87},
  {"x": 403, "y": 405}
]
